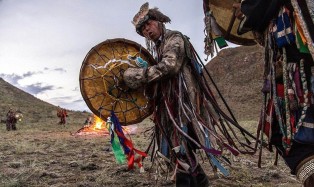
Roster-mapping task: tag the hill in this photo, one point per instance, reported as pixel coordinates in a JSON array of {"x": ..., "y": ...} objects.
[{"x": 238, "y": 72}]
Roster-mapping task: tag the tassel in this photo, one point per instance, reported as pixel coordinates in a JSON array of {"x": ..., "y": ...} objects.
[
  {"x": 117, "y": 151},
  {"x": 118, "y": 130},
  {"x": 213, "y": 159},
  {"x": 212, "y": 33},
  {"x": 125, "y": 143},
  {"x": 216, "y": 33},
  {"x": 115, "y": 144}
]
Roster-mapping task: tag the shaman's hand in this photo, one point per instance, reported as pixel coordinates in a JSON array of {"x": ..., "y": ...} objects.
[
  {"x": 238, "y": 13},
  {"x": 135, "y": 77}
]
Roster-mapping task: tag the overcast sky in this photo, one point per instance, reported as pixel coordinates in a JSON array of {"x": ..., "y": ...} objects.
[{"x": 43, "y": 42}]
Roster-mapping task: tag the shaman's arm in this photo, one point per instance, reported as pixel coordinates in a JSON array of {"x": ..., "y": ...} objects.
[{"x": 172, "y": 57}]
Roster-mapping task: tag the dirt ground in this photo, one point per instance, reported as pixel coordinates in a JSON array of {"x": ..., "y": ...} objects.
[{"x": 51, "y": 155}]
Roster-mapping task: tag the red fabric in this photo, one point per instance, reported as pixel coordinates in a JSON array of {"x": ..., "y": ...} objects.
[
  {"x": 132, "y": 152},
  {"x": 281, "y": 93},
  {"x": 309, "y": 95},
  {"x": 269, "y": 114},
  {"x": 280, "y": 90},
  {"x": 293, "y": 123}
]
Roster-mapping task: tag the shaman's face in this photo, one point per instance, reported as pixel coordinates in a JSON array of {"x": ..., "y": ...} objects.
[{"x": 152, "y": 30}]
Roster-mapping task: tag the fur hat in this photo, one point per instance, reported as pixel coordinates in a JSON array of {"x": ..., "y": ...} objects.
[{"x": 145, "y": 14}]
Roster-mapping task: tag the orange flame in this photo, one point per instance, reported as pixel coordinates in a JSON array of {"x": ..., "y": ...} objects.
[
  {"x": 98, "y": 126},
  {"x": 98, "y": 123}
]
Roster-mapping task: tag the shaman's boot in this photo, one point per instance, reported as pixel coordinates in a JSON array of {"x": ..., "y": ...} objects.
[
  {"x": 200, "y": 178},
  {"x": 184, "y": 180}
]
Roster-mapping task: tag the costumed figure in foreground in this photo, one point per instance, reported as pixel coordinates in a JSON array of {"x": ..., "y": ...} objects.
[
  {"x": 62, "y": 114},
  {"x": 12, "y": 118},
  {"x": 286, "y": 30},
  {"x": 186, "y": 114}
]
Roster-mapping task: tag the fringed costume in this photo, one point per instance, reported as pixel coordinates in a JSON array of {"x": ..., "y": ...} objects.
[
  {"x": 186, "y": 114},
  {"x": 286, "y": 31}
]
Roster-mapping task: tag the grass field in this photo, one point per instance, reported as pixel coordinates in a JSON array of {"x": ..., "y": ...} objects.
[{"x": 52, "y": 155}]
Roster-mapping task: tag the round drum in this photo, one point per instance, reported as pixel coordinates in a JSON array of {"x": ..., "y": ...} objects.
[
  {"x": 101, "y": 81},
  {"x": 223, "y": 13}
]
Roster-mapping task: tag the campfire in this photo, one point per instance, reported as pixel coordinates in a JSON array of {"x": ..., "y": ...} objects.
[{"x": 99, "y": 127}]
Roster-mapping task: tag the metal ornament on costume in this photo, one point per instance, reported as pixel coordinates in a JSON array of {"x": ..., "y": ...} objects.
[{"x": 101, "y": 81}]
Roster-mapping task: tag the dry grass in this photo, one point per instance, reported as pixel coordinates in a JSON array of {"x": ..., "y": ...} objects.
[{"x": 48, "y": 155}]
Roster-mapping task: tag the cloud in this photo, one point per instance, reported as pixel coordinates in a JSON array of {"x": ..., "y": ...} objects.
[
  {"x": 34, "y": 89},
  {"x": 76, "y": 89},
  {"x": 14, "y": 78},
  {"x": 70, "y": 102},
  {"x": 11, "y": 78},
  {"x": 63, "y": 99},
  {"x": 30, "y": 73},
  {"x": 78, "y": 101},
  {"x": 61, "y": 70},
  {"x": 37, "y": 88}
]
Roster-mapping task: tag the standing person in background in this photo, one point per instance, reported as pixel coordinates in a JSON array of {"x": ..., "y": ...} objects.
[
  {"x": 88, "y": 121},
  {"x": 285, "y": 28},
  {"x": 62, "y": 114},
  {"x": 10, "y": 120}
]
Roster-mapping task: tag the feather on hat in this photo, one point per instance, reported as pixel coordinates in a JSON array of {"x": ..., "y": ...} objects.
[{"x": 145, "y": 14}]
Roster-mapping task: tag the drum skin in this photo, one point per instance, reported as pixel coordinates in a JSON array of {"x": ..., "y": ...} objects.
[
  {"x": 223, "y": 13},
  {"x": 101, "y": 81}
]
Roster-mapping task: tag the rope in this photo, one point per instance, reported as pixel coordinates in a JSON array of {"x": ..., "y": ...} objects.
[
  {"x": 305, "y": 95},
  {"x": 233, "y": 120},
  {"x": 286, "y": 87}
]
